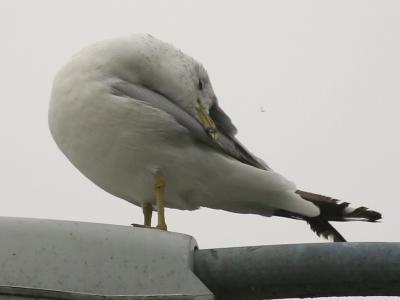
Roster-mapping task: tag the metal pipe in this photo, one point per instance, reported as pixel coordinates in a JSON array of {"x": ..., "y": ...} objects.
[{"x": 301, "y": 270}]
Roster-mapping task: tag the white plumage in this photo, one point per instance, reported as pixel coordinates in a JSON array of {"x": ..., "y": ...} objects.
[{"x": 118, "y": 141}]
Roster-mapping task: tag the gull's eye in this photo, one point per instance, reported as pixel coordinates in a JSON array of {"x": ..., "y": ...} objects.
[{"x": 200, "y": 85}]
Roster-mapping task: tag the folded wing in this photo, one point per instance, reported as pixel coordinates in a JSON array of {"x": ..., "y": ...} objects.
[{"x": 227, "y": 143}]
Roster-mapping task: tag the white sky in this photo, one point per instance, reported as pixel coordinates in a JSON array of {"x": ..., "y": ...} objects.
[{"x": 313, "y": 87}]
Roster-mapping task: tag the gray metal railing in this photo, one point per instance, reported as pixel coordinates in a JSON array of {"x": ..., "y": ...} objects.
[{"x": 301, "y": 270}]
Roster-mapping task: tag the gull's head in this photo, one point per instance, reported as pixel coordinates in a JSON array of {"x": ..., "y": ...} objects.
[{"x": 159, "y": 66}]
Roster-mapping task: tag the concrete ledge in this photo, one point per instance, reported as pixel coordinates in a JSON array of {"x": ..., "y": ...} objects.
[{"x": 70, "y": 260}]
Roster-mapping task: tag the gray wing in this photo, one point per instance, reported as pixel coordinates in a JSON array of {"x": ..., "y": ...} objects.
[
  {"x": 226, "y": 142},
  {"x": 228, "y": 130}
]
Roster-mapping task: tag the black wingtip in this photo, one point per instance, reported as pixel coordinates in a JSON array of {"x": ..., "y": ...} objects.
[
  {"x": 334, "y": 210},
  {"x": 364, "y": 213},
  {"x": 323, "y": 228}
]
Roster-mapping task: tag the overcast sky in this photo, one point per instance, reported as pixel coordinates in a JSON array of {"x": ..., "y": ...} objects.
[{"x": 313, "y": 87}]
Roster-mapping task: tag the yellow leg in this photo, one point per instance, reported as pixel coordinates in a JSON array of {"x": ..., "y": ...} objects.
[
  {"x": 147, "y": 212},
  {"x": 160, "y": 192}
]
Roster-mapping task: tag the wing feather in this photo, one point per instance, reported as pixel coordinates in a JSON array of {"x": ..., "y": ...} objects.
[{"x": 227, "y": 143}]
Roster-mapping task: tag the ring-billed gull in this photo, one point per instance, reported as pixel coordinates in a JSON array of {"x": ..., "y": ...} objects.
[{"x": 140, "y": 119}]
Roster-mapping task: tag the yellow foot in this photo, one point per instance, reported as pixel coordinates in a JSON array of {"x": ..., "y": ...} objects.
[
  {"x": 162, "y": 227},
  {"x": 140, "y": 225},
  {"x": 158, "y": 227},
  {"x": 144, "y": 226}
]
